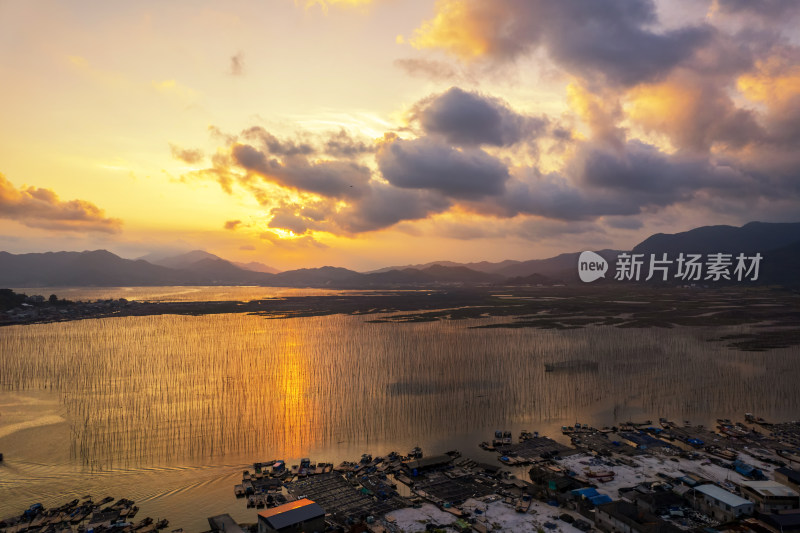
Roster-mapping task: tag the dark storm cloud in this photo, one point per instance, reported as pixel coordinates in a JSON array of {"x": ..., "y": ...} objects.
[
  {"x": 644, "y": 169},
  {"x": 611, "y": 40},
  {"x": 553, "y": 196},
  {"x": 602, "y": 182},
  {"x": 630, "y": 223},
  {"x": 426, "y": 163},
  {"x": 276, "y": 146},
  {"x": 287, "y": 217},
  {"x": 771, "y": 9},
  {"x": 470, "y": 119},
  {"x": 342, "y": 144},
  {"x": 385, "y": 206},
  {"x": 327, "y": 178},
  {"x": 187, "y": 155}
]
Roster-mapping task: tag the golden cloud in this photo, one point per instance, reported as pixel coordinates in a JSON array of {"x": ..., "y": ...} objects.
[
  {"x": 600, "y": 113},
  {"x": 456, "y": 29},
  {"x": 773, "y": 82},
  {"x": 41, "y": 208},
  {"x": 325, "y": 4}
]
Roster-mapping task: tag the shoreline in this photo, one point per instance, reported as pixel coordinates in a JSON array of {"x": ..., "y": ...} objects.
[{"x": 776, "y": 314}]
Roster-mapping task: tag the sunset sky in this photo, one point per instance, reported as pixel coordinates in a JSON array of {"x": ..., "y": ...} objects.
[{"x": 367, "y": 133}]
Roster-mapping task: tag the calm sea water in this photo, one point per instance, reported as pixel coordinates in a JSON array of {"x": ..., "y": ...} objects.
[
  {"x": 168, "y": 410},
  {"x": 212, "y": 293}
]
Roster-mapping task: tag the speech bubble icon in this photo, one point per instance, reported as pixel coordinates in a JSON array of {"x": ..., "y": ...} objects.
[{"x": 591, "y": 266}]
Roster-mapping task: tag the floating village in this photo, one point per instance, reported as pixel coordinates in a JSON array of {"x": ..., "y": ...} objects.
[{"x": 646, "y": 477}]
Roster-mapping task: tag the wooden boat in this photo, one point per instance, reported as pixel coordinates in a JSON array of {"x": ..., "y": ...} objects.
[
  {"x": 605, "y": 474},
  {"x": 523, "y": 504}
]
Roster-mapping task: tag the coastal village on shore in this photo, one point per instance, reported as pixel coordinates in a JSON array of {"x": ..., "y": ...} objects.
[{"x": 646, "y": 477}]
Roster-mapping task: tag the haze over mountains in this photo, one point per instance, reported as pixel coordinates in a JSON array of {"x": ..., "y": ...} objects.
[{"x": 779, "y": 243}]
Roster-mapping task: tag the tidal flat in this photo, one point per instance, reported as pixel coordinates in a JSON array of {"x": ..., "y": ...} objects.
[{"x": 773, "y": 312}]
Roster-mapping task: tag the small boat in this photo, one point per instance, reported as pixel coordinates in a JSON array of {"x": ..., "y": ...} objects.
[
  {"x": 238, "y": 490},
  {"x": 606, "y": 474},
  {"x": 161, "y": 524},
  {"x": 144, "y": 523},
  {"x": 523, "y": 504}
]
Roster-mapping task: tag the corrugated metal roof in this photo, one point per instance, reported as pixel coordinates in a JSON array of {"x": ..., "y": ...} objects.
[
  {"x": 722, "y": 495},
  {"x": 586, "y": 491},
  {"x": 792, "y": 475},
  {"x": 292, "y": 513},
  {"x": 770, "y": 488},
  {"x": 600, "y": 499},
  {"x": 681, "y": 489}
]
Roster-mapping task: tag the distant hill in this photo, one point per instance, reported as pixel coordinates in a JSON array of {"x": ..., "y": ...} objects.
[
  {"x": 255, "y": 266},
  {"x": 481, "y": 266},
  {"x": 315, "y": 277},
  {"x": 779, "y": 244},
  {"x": 190, "y": 260},
  {"x": 213, "y": 269},
  {"x": 183, "y": 260},
  {"x": 750, "y": 238},
  {"x": 462, "y": 274},
  {"x": 782, "y": 266},
  {"x": 559, "y": 267},
  {"x": 221, "y": 272},
  {"x": 435, "y": 274},
  {"x": 90, "y": 268}
]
